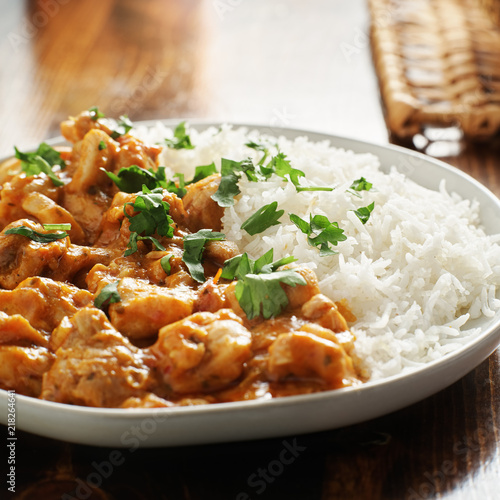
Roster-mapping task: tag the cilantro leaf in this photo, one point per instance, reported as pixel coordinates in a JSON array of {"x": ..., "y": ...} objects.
[
  {"x": 241, "y": 265},
  {"x": 42, "y": 161},
  {"x": 282, "y": 167},
  {"x": 364, "y": 213},
  {"x": 258, "y": 289},
  {"x": 259, "y": 147},
  {"x": 194, "y": 245},
  {"x": 131, "y": 179},
  {"x": 95, "y": 114},
  {"x": 177, "y": 188},
  {"x": 230, "y": 175},
  {"x": 361, "y": 184},
  {"x": 151, "y": 215},
  {"x": 262, "y": 294},
  {"x": 203, "y": 171},
  {"x": 165, "y": 263},
  {"x": 134, "y": 238},
  {"x": 321, "y": 233},
  {"x": 108, "y": 295},
  {"x": 181, "y": 139},
  {"x": 262, "y": 219},
  {"x": 123, "y": 126},
  {"x": 57, "y": 227},
  {"x": 313, "y": 188},
  {"x": 358, "y": 185},
  {"x": 36, "y": 235}
]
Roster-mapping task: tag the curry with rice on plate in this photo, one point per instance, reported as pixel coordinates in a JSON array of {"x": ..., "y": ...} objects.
[{"x": 119, "y": 288}]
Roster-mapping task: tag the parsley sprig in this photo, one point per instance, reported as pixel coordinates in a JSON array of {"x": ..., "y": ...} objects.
[
  {"x": 36, "y": 235},
  {"x": 181, "y": 139},
  {"x": 108, "y": 295},
  {"x": 262, "y": 219},
  {"x": 279, "y": 165},
  {"x": 363, "y": 213},
  {"x": 321, "y": 233},
  {"x": 151, "y": 216},
  {"x": 258, "y": 289},
  {"x": 131, "y": 179},
  {"x": 358, "y": 185},
  {"x": 42, "y": 161},
  {"x": 118, "y": 127},
  {"x": 194, "y": 244}
]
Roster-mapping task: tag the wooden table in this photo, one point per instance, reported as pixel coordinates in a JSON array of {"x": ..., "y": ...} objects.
[{"x": 282, "y": 63}]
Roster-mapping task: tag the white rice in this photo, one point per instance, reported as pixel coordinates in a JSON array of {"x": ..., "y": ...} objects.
[{"x": 413, "y": 275}]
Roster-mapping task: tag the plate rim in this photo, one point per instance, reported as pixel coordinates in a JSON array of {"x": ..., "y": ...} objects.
[{"x": 490, "y": 333}]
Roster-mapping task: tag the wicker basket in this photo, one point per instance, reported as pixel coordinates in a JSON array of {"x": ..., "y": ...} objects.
[
  {"x": 493, "y": 9},
  {"x": 438, "y": 63}
]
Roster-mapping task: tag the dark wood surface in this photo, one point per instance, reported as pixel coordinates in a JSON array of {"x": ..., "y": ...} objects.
[{"x": 280, "y": 63}]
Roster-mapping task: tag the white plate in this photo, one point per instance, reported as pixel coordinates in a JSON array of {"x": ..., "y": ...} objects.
[{"x": 291, "y": 415}]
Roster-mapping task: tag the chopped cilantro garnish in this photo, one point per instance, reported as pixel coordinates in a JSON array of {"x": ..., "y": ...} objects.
[
  {"x": 230, "y": 174},
  {"x": 203, "y": 171},
  {"x": 321, "y": 233},
  {"x": 152, "y": 216},
  {"x": 102, "y": 145},
  {"x": 42, "y": 161},
  {"x": 358, "y": 185},
  {"x": 258, "y": 289},
  {"x": 364, "y": 213},
  {"x": 35, "y": 235},
  {"x": 165, "y": 263},
  {"x": 57, "y": 227},
  {"x": 361, "y": 184},
  {"x": 108, "y": 295},
  {"x": 262, "y": 219},
  {"x": 178, "y": 187},
  {"x": 95, "y": 114},
  {"x": 123, "y": 126},
  {"x": 259, "y": 147},
  {"x": 181, "y": 139},
  {"x": 313, "y": 188},
  {"x": 131, "y": 179},
  {"x": 193, "y": 251},
  {"x": 282, "y": 167}
]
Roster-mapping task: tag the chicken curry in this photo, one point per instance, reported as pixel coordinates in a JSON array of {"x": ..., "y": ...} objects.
[{"x": 124, "y": 295}]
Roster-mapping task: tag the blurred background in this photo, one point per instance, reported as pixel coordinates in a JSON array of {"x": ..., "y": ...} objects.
[
  {"x": 277, "y": 63},
  {"x": 424, "y": 74}
]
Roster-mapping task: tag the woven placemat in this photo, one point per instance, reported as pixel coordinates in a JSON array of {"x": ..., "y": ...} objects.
[{"x": 438, "y": 63}]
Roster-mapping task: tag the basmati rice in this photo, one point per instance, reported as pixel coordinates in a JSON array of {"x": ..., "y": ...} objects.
[{"x": 413, "y": 275}]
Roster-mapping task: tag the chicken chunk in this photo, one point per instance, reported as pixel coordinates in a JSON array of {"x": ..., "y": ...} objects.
[
  {"x": 14, "y": 192},
  {"x": 21, "y": 257},
  {"x": 94, "y": 158},
  {"x": 22, "y": 368},
  {"x": 203, "y": 352},
  {"x": 144, "y": 308},
  {"x": 47, "y": 211},
  {"x": 43, "y": 302},
  {"x": 95, "y": 365},
  {"x": 16, "y": 330},
  {"x": 202, "y": 211},
  {"x": 313, "y": 353}
]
